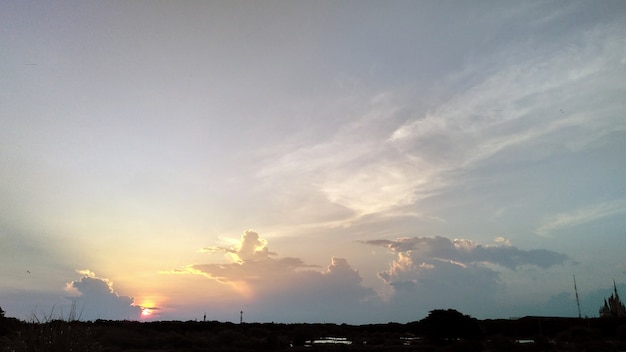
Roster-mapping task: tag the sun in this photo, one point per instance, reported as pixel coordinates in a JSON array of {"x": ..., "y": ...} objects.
[{"x": 149, "y": 308}]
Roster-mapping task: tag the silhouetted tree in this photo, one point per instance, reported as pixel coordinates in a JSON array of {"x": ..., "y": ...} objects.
[
  {"x": 613, "y": 307},
  {"x": 4, "y": 323},
  {"x": 441, "y": 325}
]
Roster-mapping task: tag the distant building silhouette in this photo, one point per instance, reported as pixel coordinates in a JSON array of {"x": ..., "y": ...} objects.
[{"x": 613, "y": 307}]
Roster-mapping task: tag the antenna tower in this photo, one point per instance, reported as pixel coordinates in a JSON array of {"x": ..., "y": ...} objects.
[{"x": 577, "y": 300}]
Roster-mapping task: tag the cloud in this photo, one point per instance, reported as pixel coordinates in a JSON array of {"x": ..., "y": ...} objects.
[
  {"x": 427, "y": 273},
  {"x": 284, "y": 286},
  {"x": 582, "y": 216},
  {"x": 467, "y": 252},
  {"x": 251, "y": 248},
  {"x": 536, "y": 102},
  {"x": 335, "y": 294},
  {"x": 529, "y": 102},
  {"x": 252, "y": 261},
  {"x": 96, "y": 299},
  {"x": 455, "y": 273},
  {"x": 358, "y": 157}
]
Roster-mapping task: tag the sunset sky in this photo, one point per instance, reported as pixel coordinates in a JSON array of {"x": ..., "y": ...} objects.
[{"x": 311, "y": 161}]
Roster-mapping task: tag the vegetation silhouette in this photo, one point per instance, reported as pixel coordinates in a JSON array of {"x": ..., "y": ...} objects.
[
  {"x": 46, "y": 334},
  {"x": 613, "y": 306},
  {"x": 446, "y": 325},
  {"x": 441, "y": 330}
]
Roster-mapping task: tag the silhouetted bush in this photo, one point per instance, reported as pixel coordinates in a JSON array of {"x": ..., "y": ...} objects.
[
  {"x": 449, "y": 325},
  {"x": 7, "y": 325},
  {"x": 445, "y": 330}
]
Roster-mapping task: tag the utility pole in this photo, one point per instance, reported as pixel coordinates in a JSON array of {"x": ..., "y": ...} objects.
[{"x": 577, "y": 300}]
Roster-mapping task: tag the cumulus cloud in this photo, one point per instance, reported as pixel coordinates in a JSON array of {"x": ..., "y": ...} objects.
[
  {"x": 455, "y": 273},
  {"x": 96, "y": 299},
  {"x": 284, "y": 286},
  {"x": 251, "y": 248},
  {"x": 252, "y": 261}
]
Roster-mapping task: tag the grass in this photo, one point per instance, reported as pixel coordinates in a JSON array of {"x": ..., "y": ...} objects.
[{"x": 51, "y": 335}]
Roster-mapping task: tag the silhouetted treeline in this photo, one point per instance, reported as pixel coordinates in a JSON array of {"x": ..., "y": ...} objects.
[{"x": 441, "y": 330}]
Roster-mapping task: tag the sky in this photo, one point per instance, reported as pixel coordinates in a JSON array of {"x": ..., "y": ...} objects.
[{"x": 311, "y": 161}]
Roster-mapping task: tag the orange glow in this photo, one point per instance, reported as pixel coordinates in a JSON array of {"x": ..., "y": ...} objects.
[
  {"x": 148, "y": 308},
  {"x": 243, "y": 288}
]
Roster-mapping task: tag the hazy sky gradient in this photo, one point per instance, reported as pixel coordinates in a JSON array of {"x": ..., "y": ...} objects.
[{"x": 355, "y": 161}]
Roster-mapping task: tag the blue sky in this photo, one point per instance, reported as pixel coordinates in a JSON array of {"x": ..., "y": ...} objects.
[{"x": 329, "y": 161}]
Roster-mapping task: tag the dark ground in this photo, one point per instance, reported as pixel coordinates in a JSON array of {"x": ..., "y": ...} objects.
[{"x": 442, "y": 330}]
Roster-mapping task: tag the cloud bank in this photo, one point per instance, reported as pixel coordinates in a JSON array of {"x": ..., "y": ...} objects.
[
  {"x": 466, "y": 252},
  {"x": 427, "y": 273},
  {"x": 458, "y": 273},
  {"x": 286, "y": 287}
]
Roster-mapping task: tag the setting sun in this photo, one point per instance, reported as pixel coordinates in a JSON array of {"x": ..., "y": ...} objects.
[{"x": 148, "y": 308}]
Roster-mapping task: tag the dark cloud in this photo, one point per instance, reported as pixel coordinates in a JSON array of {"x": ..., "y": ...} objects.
[
  {"x": 443, "y": 284},
  {"x": 444, "y": 273},
  {"x": 470, "y": 252},
  {"x": 333, "y": 295},
  {"x": 96, "y": 299}
]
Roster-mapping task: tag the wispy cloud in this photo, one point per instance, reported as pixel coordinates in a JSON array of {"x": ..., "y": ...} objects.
[
  {"x": 582, "y": 216},
  {"x": 529, "y": 106}
]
